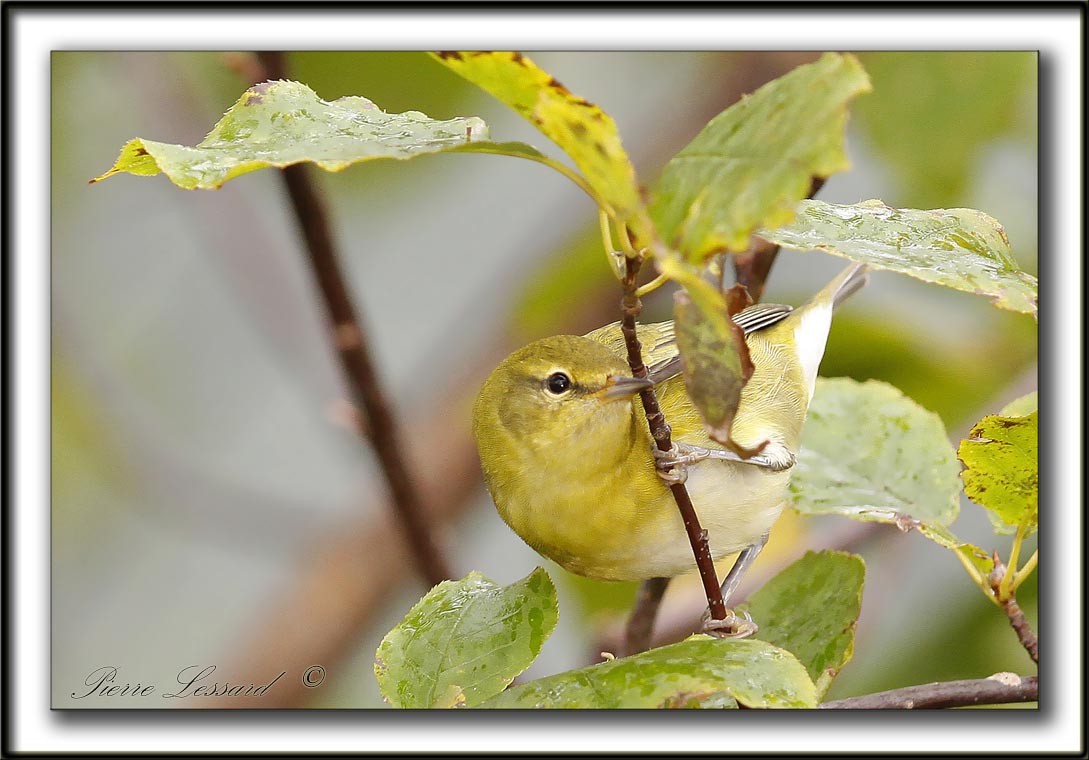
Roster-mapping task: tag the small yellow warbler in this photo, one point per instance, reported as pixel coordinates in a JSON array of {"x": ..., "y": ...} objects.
[{"x": 569, "y": 460}]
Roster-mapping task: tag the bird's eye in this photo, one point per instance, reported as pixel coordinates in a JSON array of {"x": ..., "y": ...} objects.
[{"x": 558, "y": 383}]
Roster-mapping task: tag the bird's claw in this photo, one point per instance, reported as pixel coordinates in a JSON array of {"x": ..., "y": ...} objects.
[
  {"x": 734, "y": 626},
  {"x": 784, "y": 462},
  {"x": 679, "y": 454},
  {"x": 670, "y": 465},
  {"x": 675, "y": 475}
]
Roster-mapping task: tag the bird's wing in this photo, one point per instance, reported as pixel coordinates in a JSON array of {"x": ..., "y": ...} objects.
[
  {"x": 657, "y": 341},
  {"x": 761, "y": 315},
  {"x": 661, "y": 355}
]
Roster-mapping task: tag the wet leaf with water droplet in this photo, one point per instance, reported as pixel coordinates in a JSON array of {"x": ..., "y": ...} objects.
[
  {"x": 699, "y": 671},
  {"x": 959, "y": 248},
  {"x": 810, "y": 609},
  {"x": 465, "y": 641},
  {"x": 277, "y": 124}
]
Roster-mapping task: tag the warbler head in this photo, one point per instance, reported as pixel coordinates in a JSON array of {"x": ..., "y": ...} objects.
[{"x": 560, "y": 404}]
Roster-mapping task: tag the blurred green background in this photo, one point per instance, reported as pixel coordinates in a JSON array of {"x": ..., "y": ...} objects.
[{"x": 211, "y": 504}]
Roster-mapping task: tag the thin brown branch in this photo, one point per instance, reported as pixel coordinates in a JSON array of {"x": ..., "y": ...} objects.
[
  {"x": 637, "y": 635},
  {"x": 631, "y": 306},
  {"x": 1020, "y": 624},
  {"x": 752, "y": 267},
  {"x": 1013, "y": 611},
  {"x": 354, "y": 353},
  {"x": 999, "y": 689}
]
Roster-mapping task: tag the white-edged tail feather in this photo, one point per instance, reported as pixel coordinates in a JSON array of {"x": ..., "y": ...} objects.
[
  {"x": 815, "y": 320},
  {"x": 848, "y": 283}
]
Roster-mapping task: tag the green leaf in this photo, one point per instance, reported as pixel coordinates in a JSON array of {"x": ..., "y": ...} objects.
[
  {"x": 716, "y": 361},
  {"x": 1021, "y": 407},
  {"x": 870, "y": 453},
  {"x": 752, "y": 163},
  {"x": 585, "y": 132},
  {"x": 1002, "y": 467},
  {"x": 867, "y": 446},
  {"x": 283, "y": 123},
  {"x": 465, "y": 641},
  {"x": 697, "y": 671},
  {"x": 811, "y": 609},
  {"x": 959, "y": 248}
]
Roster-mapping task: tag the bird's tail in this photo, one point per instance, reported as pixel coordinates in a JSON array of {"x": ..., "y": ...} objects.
[
  {"x": 813, "y": 320},
  {"x": 848, "y": 283}
]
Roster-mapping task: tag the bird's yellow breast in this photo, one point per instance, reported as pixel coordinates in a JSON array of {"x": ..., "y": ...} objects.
[{"x": 597, "y": 506}]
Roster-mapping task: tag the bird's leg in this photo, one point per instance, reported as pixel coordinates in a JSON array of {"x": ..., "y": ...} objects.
[
  {"x": 741, "y": 566},
  {"x": 735, "y": 626},
  {"x": 774, "y": 456}
]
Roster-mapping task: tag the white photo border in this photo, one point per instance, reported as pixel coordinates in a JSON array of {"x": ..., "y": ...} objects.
[{"x": 33, "y": 31}]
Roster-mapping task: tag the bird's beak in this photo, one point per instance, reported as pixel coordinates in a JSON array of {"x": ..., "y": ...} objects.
[{"x": 619, "y": 388}]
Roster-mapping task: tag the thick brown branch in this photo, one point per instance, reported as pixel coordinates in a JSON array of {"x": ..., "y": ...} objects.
[
  {"x": 752, "y": 267},
  {"x": 355, "y": 359},
  {"x": 641, "y": 623},
  {"x": 630, "y": 307},
  {"x": 999, "y": 689}
]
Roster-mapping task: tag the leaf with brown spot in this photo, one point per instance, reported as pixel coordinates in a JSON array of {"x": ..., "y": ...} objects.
[
  {"x": 716, "y": 360},
  {"x": 1001, "y": 469},
  {"x": 585, "y": 132}
]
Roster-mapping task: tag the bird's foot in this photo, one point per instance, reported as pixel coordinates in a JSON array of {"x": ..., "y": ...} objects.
[
  {"x": 773, "y": 456},
  {"x": 671, "y": 465},
  {"x": 734, "y": 626},
  {"x": 680, "y": 454}
]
